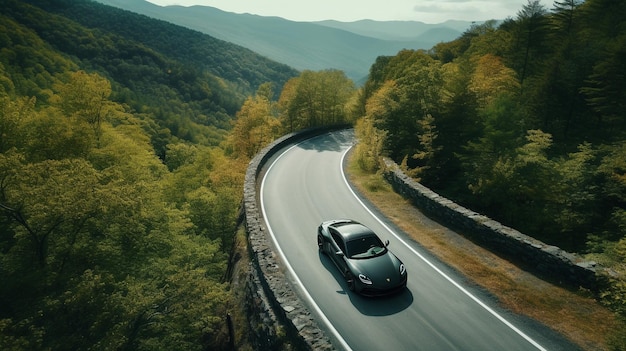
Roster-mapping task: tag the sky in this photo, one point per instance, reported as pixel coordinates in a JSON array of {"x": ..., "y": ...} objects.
[{"x": 428, "y": 11}]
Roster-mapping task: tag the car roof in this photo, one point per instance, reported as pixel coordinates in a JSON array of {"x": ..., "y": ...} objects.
[{"x": 352, "y": 230}]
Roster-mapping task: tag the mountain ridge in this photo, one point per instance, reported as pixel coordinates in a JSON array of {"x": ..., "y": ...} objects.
[
  {"x": 399, "y": 30},
  {"x": 348, "y": 46}
]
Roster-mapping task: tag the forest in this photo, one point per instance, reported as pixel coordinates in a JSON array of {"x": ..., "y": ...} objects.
[
  {"x": 118, "y": 204},
  {"x": 522, "y": 120},
  {"x": 123, "y": 147},
  {"x": 124, "y": 143}
]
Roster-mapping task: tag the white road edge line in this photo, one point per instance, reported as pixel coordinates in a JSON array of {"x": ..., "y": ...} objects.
[
  {"x": 457, "y": 285},
  {"x": 312, "y": 303},
  {"x": 317, "y": 309}
]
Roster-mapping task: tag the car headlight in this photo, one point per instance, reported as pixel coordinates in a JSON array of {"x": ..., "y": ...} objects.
[
  {"x": 402, "y": 269},
  {"x": 364, "y": 279}
]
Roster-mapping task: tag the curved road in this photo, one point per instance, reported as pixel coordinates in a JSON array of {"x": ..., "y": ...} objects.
[{"x": 304, "y": 185}]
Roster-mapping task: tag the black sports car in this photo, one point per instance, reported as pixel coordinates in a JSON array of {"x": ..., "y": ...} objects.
[{"x": 364, "y": 260}]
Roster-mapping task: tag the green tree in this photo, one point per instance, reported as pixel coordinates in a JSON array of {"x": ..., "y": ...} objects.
[
  {"x": 316, "y": 99},
  {"x": 371, "y": 139},
  {"x": 575, "y": 198},
  {"x": 457, "y": 124},
  {"x": 49, "y": 203},
  {"x": 516, "y": 185},
  {"x": 532, "y": 27},
  {"x": 487, "y": 39},
  {"x": 180, "y": 154},
  {"x": 254, "y": 128},
  {"x": 86, "y": 97},
  {"x": 613, "y": 191},
  {"x": 368, "y": 151},
  {"x": 12, "y": 115},
  {"x": 605, "y": 91},
  {"x": 427, "y": 149},
  {"x": 175, "y": 302},
  {"x": 207, "y": 186},
  {"x": 503, "y": 131},
  {"x": 563, "y": 17},
  {"x": 400, "y": 104},
  {"x": 52, "y": 135},
  {"x": 490, "y": 79}
]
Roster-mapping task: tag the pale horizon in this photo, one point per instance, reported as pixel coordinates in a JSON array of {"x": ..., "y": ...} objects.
[{"x": 427, "y": 11}]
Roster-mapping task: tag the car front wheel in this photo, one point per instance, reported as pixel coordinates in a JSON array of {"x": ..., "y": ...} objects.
[{"x": 350, "y": 281}]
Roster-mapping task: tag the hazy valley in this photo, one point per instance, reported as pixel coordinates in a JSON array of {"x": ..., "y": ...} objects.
[{"x": 351, "y": 47}]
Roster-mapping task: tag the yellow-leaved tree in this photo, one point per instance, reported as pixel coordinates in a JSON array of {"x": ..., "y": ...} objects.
[
  {"x": 491, "y": 78},
  {"x": 256, "y": 124}
]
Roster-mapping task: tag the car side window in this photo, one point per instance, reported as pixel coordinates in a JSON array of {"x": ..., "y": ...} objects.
[{"x": 337, "y": 239}]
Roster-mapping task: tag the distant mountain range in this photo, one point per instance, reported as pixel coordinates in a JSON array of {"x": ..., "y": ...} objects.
[{"x": 348, "y": 46}]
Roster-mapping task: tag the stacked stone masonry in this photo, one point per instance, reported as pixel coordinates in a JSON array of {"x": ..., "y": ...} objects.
[
  {"x": 270, "y": 295},
  {"x": 545, "y": 260}
]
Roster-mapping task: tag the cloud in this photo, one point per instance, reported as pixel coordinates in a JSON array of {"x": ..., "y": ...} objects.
[
  {"x": 454, "y": 9},
  {"x": 454, "y": 1},
  {"x": 468, "y": 9}
]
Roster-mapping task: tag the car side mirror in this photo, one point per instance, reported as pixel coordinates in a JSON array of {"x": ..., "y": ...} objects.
[
  {"x": 339, "y": 253},
  {"x": 386, "y": 243}
]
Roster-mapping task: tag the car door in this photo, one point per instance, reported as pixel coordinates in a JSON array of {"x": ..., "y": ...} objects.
[{"x": 338, "y": 252}]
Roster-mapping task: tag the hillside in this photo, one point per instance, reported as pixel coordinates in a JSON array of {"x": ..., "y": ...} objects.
[
  {"x": 204, "y": 80},
  {"x": 304, "y": 45},
  {"x": 415, "y": 31},
  {"x": 117, "y": 209},
  {"x": 121, "y": 163},
  {"x": 527, "y": 130},
  {"x": 123, "y": 144}
]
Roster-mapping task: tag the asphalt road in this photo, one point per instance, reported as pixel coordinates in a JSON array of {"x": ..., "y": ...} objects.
[{"x": 305, "y": 185}]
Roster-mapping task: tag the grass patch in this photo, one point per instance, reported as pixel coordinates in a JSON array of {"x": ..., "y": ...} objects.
[{"x": 574, "y": 314}]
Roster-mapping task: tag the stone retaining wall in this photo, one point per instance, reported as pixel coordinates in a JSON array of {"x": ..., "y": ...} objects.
[
  {"x": 270, "y": 295},
  {"x": 545, "y": 260}
]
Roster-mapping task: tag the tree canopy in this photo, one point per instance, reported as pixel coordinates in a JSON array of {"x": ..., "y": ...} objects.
[
  {"x": 124, "y": 143},
  {"x": 522, "y": 121},
  {"x": 468, "y": 117},
  {"x": 118, "y": 210}
]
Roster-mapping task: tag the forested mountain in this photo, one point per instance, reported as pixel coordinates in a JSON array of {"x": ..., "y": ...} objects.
[
  {"x": 522, "y": 120},
  {"x": 204, "y": 79},
  {"x": 124, "y": 141},
  {"x": 118, "y": 212},
  {"x": 304, "y": 45},
  {"x": 418, "y": 32}
]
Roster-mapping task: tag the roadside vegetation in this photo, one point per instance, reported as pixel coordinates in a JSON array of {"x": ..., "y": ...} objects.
[
  {"x": 121, "y": 176},
  {"x": 521, "y": 120},
  {"x": 576, "y": 314}
]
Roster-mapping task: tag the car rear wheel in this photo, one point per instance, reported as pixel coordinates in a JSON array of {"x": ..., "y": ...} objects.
[{"x": 320, "y": 243}]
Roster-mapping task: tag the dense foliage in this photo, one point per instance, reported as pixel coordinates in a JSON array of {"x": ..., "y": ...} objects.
[
  {"x": 102, "y": 244},
  {"x": 121, "y": 166},
  {"x": 523, "y": 121},
  {"x": 313, "y": 99},
  {"x": 118, "y": 210},
  {"x": 191, "y": 83}
]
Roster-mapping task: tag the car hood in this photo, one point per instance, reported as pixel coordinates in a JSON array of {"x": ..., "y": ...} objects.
[{"x": 381, "y": 270}]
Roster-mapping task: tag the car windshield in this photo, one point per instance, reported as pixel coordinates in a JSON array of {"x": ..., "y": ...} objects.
[{"x": 365, "y": 247}]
